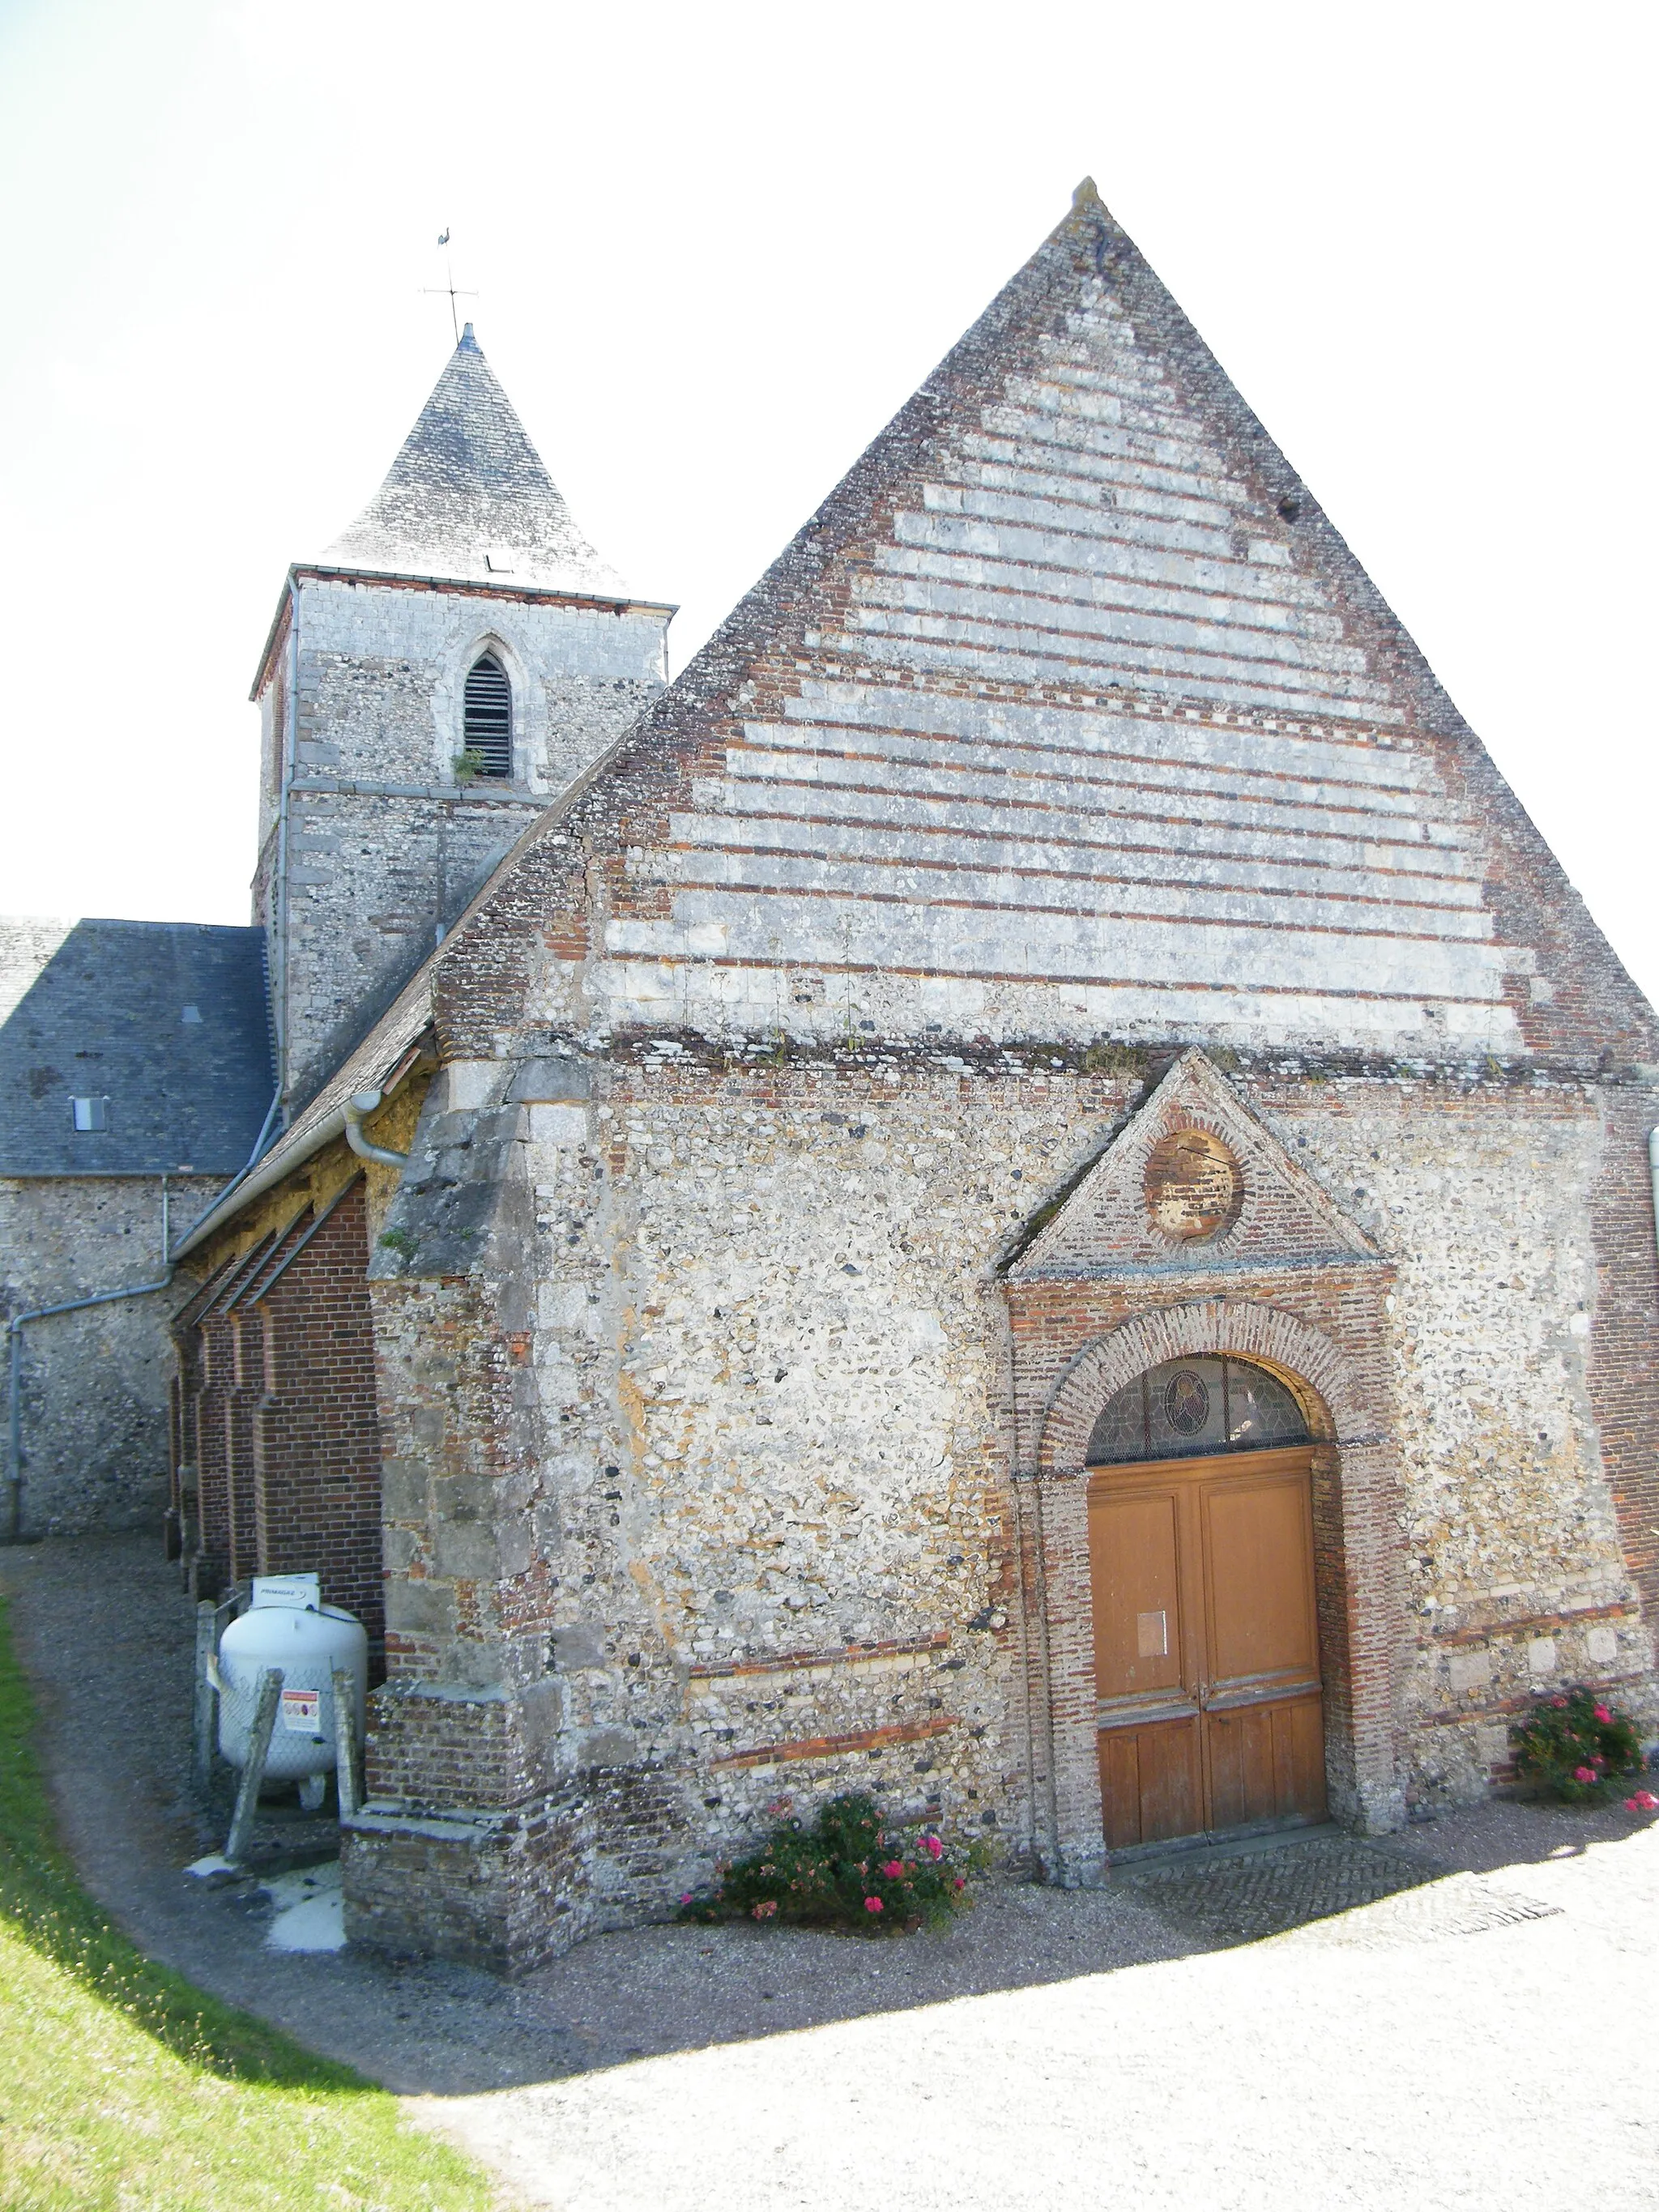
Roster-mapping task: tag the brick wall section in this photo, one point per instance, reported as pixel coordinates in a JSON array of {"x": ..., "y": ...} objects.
[
  {"x": 1587, "y": 1005},
  {"x": 276, "y": 1376},
  {"x": 499, "y": 1896},
  {"x": 316, "y": 1441},
  {"x": 224, "y": 1471}
]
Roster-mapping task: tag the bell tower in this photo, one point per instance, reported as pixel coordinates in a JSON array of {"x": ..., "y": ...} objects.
[{"x": 441, "y": 674}]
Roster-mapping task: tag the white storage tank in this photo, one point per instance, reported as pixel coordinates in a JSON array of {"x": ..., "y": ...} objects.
[{"x": 288, "y": 1627}]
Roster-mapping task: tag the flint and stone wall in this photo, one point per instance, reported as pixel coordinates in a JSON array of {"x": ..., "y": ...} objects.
[
  {"x": 95, "y": 1384},
  {"x": 384, "y": 847},
  {"x": 698, "y": 1496}
]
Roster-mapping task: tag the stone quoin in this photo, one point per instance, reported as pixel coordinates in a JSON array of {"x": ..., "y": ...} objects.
[{"x": 1057, "y": 929}]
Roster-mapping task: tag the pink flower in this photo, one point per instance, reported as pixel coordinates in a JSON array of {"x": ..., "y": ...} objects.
[
  {"x": 1602, "y": 1713},
  {"x": 932, "y": 1845},
  {"x": 1642, "y": 1802},
  {"x": 686, "y": 1900},
  {"x": 1558, "y": 1701},
  {"x": 1583, "y": 1774},
  {"x": 873, "y": 1904},
  {"x": 957, "y": 1882},
  {"x": 894, "y": 1870},
  {"x": 766, "y": 1908}
]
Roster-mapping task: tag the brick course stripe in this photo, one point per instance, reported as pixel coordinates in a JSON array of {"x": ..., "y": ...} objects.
[
  {"x": 1533, "y": 1624},
  {"x": 847, "y": 1656},
  {"x": 832, "y": 1747},
  {"x": 1521, "y": 1701}
]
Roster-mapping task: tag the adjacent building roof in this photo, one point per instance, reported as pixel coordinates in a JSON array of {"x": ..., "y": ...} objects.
[
  {"x": 469, "y": 499},
  {"x": 162, "y": 1023}
]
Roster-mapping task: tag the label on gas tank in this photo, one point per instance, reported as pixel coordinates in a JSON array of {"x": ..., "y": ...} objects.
[{"x": 302, "y": 1712}]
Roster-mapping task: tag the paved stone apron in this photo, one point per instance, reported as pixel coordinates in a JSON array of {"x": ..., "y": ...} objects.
[{"x": 1241, "y": 1899}]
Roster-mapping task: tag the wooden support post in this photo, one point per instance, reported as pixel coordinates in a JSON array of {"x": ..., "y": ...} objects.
[
  {"x": 345, "y": 1742},
  {"x": 205, "y": 1713},
  {"x": 258, "y": 1750}
]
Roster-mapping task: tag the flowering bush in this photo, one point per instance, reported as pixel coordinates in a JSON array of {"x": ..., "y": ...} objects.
[
  {"x": 1576, "y": 1746},
  {"x": 850, "y": 1869}
]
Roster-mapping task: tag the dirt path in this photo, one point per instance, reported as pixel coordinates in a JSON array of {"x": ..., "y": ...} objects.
[{"x": 1112, "y": 2037}]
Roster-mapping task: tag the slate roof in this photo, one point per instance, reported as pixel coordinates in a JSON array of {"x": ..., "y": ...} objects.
[
  {"x": 468, "y": 485},
  {"x": 376, "y": 1062},
  {"x": 165, "y": 1019}
]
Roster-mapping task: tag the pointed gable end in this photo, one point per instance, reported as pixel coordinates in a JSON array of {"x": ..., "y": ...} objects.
[
  {"x": 1068, "y": 716},
  {"x": 1194, "y": 1184}
]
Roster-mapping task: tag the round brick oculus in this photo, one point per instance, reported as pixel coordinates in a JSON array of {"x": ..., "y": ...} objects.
[{"x": 1193, "y": 1186}]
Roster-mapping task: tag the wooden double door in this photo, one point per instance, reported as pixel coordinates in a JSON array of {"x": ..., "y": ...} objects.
[{"x": 1206, "y": 1646}]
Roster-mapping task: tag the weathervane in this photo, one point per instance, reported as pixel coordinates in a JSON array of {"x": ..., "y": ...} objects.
[{"x": 438, "y": 291}]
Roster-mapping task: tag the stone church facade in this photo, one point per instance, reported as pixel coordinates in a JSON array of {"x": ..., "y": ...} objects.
[{"x": 1029, "y": 1192}]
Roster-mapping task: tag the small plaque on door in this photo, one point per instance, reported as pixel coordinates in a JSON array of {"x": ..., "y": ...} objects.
[{"x": 1152, "y": 1635}]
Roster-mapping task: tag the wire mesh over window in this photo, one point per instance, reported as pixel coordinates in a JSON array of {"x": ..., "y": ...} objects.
[
  {"x": 488, "y": 716},
  {"x": 1188, "y": 1408}
]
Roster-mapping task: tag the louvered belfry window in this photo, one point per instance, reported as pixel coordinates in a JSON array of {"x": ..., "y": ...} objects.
[{"x": 488, "y": 716}]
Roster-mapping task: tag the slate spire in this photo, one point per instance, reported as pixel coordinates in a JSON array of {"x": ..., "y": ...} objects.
[{"x": 468, "y": 499}]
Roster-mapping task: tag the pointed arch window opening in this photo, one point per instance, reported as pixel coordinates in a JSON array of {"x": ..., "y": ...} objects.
[
  {"x": 1191, "y": 1408},
  {"x": 487, "y": 717}
]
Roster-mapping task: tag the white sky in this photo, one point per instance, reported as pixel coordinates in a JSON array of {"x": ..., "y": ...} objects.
[{"x": 716, "y": 247}]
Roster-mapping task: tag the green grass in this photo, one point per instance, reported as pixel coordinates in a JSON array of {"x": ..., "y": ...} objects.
[{"x": 122, "y": 2086}]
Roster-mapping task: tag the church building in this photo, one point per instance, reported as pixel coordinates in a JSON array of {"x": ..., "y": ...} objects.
[{"x": 1027, "y": 1190}]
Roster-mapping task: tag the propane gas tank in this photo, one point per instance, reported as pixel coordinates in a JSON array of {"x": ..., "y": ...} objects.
[{"x": 305, "y": 1644}]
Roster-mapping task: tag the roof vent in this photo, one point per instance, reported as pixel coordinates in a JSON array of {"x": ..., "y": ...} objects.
[
  {"x": 499, "y": 560},
  {"x": 488, "y": 716},
  {"x": 191, "y": 1015},
  {"x": 91, "y": 1115}
]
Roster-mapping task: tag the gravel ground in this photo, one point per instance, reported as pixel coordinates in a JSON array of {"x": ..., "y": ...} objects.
[
  {"x": 1465, "y": 2044},
  {"x": 1140, "y": 2038}
]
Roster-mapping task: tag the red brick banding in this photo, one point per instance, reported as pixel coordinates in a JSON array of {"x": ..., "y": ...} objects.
[{"x": 833, "y": 1746}]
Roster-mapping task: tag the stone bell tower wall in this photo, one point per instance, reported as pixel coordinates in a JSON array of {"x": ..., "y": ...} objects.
[{"x": 371, "y": 845}]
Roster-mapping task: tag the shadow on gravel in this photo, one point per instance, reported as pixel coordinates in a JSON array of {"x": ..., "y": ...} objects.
[{"x": 95, "y": 1616}]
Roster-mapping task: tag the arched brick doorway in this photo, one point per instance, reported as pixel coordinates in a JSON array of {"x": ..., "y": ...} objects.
[{"x": 1353, "y": 1509}]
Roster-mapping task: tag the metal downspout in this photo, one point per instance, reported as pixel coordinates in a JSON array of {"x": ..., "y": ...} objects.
[{"x": 357, "y": 1108}]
